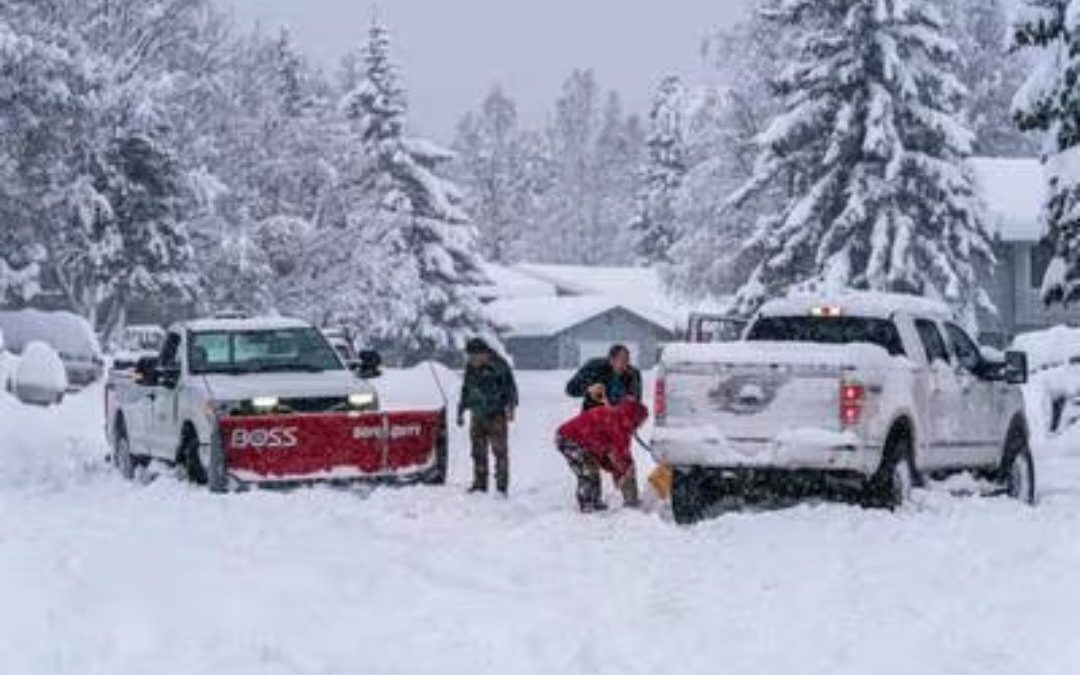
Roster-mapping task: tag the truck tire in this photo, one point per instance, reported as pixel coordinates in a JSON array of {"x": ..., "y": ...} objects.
[
  {"x": 122, "y": 458},
  {"x": 891, "y": 487},
  {"x": 687, "y": 495},
  {"x": 1018, "y": 466},
  {"x": 188, "y": 460},
  {"x": 436, "y": 475},
  {"x": 217, "y": 475}
]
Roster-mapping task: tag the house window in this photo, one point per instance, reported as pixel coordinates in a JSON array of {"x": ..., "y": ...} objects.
[{"x": 1041, "y": 254}]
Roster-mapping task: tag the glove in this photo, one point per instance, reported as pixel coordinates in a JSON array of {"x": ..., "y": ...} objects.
[{"x": 597, "y": 391}]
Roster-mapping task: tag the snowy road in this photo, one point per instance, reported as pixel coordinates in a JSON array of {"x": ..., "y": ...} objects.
[{"x": 100, "y": 576}]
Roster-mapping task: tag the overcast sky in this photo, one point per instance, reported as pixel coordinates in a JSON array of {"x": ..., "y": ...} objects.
[{"x": 452, "y": 51}]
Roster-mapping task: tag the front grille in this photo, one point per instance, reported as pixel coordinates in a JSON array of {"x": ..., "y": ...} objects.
[{"x": 315, "y": 404}]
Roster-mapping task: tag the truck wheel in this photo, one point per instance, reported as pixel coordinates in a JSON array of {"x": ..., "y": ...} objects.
[
  {"x": 687, "y": 495},
  {"x": 121, "y": 456},
  {"x": 891, "y": 487},
  {"x": 437, "y": 474},
  {"x": 1018, "y": 466},
  {"x": 189, "y": 461}
]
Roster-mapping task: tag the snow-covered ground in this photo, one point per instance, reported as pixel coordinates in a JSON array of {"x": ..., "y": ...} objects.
[{"x": 98, "y": 576}]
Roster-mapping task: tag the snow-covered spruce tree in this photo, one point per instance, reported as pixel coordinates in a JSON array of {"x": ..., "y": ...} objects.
[
  {"x": 992, "y": 76},
  {"x": 871, "y": 149},
  {"x": 424, "y": 240},
  {"x": 1050, "y": 101},
  {"x": 654, "y": 228},
  {"x": 492, "y": 166}
]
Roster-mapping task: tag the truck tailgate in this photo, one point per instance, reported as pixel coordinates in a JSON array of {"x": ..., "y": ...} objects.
[{"x": 753, "y": 402}]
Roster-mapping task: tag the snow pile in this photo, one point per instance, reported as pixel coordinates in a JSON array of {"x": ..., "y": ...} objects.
[
  {"x": 40, "y": 367},
  {"x": 1054, "y": 365},
  {"x": 1051, "y": 348},
  {"x": 49, "y": 449}
]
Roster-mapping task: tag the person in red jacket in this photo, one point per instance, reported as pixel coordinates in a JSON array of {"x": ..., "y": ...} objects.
[{"x": 600, "y": 438}]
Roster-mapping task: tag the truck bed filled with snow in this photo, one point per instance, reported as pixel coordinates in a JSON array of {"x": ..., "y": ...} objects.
[
  {"x": 98, "y": 575},
  {"x": 777, "y": 353}
]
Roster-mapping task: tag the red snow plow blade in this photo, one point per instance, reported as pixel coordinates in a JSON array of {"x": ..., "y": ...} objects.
[{"x": 396, "y": 447}]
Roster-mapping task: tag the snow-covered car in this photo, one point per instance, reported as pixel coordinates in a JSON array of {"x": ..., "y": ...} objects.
[
  {"x": 39, "y": 376},
  {"x": 67, "y": 333},
  {"x": 267, "y": 401},
  {"x": 859, "y": 394}
]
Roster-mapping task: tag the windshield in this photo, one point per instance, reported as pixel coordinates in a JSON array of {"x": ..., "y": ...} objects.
[
  {"x": 261, "y": 351},
  {"x": 828, "y": 330}
]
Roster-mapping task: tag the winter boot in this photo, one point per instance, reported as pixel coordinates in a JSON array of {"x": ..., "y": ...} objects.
[{"x": 629, "y": 488}]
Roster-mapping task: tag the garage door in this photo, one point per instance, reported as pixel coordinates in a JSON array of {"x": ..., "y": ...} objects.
[{"x": 591, "y": 349}]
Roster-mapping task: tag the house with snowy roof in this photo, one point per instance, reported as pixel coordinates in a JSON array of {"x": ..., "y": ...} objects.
[
  {"x": 559, "y": 316},
  {"x": 1014, "y": 191}
]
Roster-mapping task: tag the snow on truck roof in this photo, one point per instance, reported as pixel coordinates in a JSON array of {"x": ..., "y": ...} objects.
[
  {"x": 244, "y": 324},
  {"x": 858, "y": 303}
]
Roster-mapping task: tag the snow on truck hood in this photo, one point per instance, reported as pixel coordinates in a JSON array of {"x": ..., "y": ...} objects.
[
  {"x": 285, "y": 385},
  {"x": 777, "y": 353}
]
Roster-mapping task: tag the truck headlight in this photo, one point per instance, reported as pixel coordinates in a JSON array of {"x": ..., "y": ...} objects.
[
  {"x": 362, "y": 400},
  {"x": 264, "y": 403}
]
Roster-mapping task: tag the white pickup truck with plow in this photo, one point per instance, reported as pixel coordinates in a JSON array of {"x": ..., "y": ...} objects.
[
  {"x": 236, "y": 402},
  {"x": 860, "y": 395}
]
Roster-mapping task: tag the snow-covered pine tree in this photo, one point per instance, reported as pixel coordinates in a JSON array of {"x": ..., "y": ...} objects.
[
  {"x": 654, "y": 228},
  {"x": 1050, "y": 101},
  {"x": 425, "y": 243},
  {"x": 620, "y": 148},
  {"x": 872, "y": 149},
  {"x": 491, "y": 164},
  {"x": 992, "y": 76}
]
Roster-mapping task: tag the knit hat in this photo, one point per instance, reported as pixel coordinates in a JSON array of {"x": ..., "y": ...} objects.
[{"x": 477, "y": 346}]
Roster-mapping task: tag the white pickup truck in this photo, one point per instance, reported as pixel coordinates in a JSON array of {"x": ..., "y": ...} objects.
[
  {"x": 235, "y": 401},
  {"x": 856, "y": 395}
]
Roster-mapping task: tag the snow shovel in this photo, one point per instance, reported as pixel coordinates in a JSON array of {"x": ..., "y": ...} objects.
[{"x": 660, "y": 481}]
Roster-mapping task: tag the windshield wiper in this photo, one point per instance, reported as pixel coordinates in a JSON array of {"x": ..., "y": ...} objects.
[{"x": 286, "y": 368}]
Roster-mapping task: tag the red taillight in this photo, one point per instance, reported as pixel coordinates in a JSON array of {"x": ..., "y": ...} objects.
[
  {"x": 852, "y": 397},
  {"x": 660, "y": 397}
]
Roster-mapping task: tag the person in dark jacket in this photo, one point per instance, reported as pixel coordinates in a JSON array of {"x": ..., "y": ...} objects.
[
  {"x": 490, "y": 395},
  {"x": 607, "y": 380},
  {"x": 599, "y": 439}
]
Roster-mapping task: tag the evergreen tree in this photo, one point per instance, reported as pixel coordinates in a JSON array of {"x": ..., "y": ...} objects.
[
  {"x": 654, "y": 228},
  {"x": 492, "y": 166},
  {"x": 1050, "y": 101},
  {"x": 991, "y": 75},
  {"x": 422, "y": 235},
  {"x": 872, "y": 151}
]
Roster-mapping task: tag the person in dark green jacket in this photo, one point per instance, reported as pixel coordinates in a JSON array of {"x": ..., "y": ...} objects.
[
  {"x": 490, "y": 395},
  {"x": 603, "y": 381}
]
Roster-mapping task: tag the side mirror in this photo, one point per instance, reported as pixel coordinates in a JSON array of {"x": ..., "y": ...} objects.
[
  {"x": 168, "y": 377},
  {"x": 146, "y": 371},
  {"x": 1016, "y": 367},
  {"x": 368, "y": 366}
]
